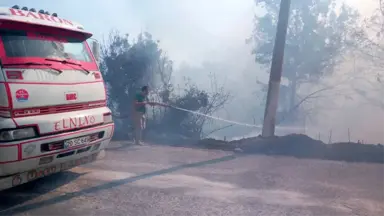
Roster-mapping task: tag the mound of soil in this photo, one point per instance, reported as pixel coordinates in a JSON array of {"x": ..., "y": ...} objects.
[
  {"x": 302, "y": 146},
  {"x": 214, "y": 144}
]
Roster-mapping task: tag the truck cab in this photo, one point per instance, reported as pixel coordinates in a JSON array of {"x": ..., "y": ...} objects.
[{"x": 53, "y": 112}]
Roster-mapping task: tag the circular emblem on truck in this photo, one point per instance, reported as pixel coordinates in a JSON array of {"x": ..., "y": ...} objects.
[{"x": 22, "y": 95}]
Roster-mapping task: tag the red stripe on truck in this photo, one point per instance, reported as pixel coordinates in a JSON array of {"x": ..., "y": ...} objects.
[
  {"x": 36, "y": 111},
  {"x": 51, "y": 83},
  {"x": 9, "y": 95}
]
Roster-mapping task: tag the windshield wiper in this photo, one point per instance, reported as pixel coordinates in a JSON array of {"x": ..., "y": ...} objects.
[
  {"x": 68, "y": 62},
  {"x": 34, "y": 63}
]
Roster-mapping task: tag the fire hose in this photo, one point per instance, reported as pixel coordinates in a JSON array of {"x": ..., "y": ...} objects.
[{"x": 211, "y": 117}]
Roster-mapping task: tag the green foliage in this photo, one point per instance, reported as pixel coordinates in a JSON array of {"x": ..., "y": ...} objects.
[
  {"x": 180, "y": 122},
  {"x": 318, "y": 37},
  {"x": 129, "y": 64}
]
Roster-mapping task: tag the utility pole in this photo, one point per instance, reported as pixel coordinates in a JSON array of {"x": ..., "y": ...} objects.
[{"x": 276, "y": 70}]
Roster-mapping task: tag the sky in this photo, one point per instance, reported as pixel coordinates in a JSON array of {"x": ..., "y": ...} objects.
[{"x": 190, "y": 31}]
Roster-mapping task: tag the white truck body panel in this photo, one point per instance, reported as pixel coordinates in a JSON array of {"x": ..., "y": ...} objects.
[{"x": 64, "y": 103}]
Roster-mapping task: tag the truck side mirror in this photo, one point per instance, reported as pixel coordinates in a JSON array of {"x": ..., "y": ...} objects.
[{"x": 96, "y": 50}]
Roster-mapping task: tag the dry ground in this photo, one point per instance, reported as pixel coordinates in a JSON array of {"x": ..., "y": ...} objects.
[{"x": 164, "y": 180}]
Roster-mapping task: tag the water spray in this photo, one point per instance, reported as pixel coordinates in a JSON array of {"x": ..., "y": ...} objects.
[{"x": 217, "y": 118}]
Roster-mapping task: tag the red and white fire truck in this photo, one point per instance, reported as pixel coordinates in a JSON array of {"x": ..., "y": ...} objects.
[{"x": 53, "y": 113}]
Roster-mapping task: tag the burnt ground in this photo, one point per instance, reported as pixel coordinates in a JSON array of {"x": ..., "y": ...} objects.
[
  {"x": 301, "y": 146},
  {"x": 169, "y": 180}
]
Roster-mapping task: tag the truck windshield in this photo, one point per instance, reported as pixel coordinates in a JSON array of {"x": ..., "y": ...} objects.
[{"x": 21, "y": 44}]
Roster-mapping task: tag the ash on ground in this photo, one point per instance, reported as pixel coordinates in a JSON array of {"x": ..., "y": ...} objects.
[{"x": 301, "y": 146}]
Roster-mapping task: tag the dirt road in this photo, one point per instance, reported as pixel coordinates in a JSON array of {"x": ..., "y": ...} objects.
[{"x": 161, "y": 180}]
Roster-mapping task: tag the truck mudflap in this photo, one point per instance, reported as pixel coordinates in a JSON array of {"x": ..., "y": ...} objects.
[{"x": 22, "y": 178}]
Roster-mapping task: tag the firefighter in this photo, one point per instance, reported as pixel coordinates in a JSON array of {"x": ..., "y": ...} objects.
[{"x": 139, "y": 111}]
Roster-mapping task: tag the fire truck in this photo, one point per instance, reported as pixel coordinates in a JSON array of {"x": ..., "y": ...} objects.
[{"x": 53, "y": 110}]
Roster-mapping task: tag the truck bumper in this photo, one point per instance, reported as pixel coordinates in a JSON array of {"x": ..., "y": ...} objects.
[
  {"x": 28, "y": 155},
  {"x": 21, "y": 178}
]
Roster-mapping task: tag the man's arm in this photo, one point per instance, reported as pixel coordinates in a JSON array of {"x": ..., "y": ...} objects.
[
  {"x": 151, "y": 103},
  {"x": 137, "y": 103},
  {"x": 140, "y": 103},
  {"x": 156, "y": 104}
]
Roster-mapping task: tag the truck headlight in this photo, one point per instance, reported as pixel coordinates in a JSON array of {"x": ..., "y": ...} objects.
[{"x": 17, "y": 134}]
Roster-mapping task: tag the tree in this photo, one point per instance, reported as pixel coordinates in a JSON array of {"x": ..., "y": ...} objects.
[
  {"x": 126, "y": 67},
  {"x": 317, "y": 38},
  {"x": 369, "y": 50},
  {"x": 129, "y": 64}
]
